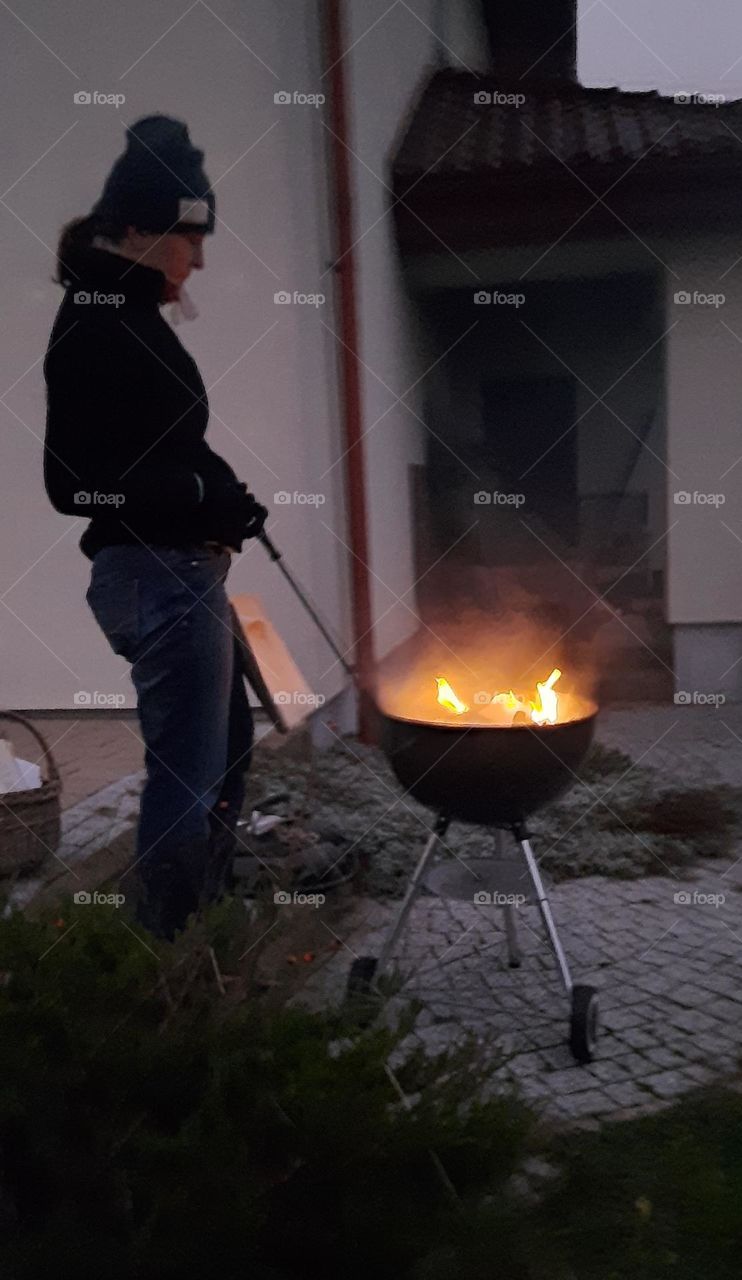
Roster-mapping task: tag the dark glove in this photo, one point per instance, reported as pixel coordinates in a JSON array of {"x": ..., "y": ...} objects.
[
  {"x": 231, "y": 514},
  {"x": 256, "y": 516}
]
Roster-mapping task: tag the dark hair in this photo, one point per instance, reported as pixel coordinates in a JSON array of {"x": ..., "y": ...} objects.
[{"x": 76, "y": 238}]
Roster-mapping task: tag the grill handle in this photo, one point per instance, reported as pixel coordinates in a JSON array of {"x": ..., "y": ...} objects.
[{"x": 277, "y": 558}]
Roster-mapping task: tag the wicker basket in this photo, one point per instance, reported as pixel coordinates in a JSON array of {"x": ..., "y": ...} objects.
[{"x": 30, "y": 821}]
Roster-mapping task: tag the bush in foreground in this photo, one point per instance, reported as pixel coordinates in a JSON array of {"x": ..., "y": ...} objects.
[
  {"x": 153, "y": 1124},
  {"x": 150, "y": 1126}
]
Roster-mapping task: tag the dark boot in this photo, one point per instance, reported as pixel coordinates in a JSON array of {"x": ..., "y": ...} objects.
[
  {"x": 218, "y": 879},
  {"x": 171, "y": 889},
  {"x": 223, "y": 842}
]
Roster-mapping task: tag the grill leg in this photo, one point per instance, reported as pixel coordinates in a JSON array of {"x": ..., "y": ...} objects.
[
  {"x": 511, "y": 926},
  {"x": 438, "y": 832},
  {"x": 546, "y": 916},
  {"x": 511, "y": 932}
]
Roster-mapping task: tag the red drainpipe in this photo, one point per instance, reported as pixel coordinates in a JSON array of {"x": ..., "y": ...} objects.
[{"x": 336, "y": 48}]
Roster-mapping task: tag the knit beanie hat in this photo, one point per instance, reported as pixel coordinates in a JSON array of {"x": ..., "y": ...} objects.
[{"x": 158, "y": 183}]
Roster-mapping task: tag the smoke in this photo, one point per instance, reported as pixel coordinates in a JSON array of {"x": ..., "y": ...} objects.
[{"x": 482, "y": 651}]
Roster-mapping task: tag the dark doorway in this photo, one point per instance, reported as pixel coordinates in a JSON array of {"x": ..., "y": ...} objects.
[{"x": 530, "y": 443}]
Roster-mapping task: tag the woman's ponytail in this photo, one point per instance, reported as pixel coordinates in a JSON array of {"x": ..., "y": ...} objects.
[{"x": 75, "y": 238}]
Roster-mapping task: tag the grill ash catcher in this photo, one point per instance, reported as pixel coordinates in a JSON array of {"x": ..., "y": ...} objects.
[{"x": 491, "y": 775}]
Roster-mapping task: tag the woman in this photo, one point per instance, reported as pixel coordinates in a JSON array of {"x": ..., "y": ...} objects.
[{"x": 126, "y": 416}]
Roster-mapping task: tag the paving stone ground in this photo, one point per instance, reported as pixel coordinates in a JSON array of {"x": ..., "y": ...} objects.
[
  {"x": 91, "y": 751},
  {"x": 87, "y": 826},
  {"x": 669, "y": 975},
  {"x": 665, "y": 954},
  {"x": 695, "y": 745}
]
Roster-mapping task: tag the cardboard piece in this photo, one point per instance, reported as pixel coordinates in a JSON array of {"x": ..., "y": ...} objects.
[
  {"x": 252, "y": 674},
  {"x": 292, "y": 697}
]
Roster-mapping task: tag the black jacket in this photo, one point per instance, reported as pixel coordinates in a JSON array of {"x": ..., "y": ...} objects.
[{"x": 126, "y": 415}]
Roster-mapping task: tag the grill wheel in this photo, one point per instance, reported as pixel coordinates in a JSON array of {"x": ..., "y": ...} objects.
[
  {"x": 583, "y": 1034},
  {"x": 362, "y": 1002}
]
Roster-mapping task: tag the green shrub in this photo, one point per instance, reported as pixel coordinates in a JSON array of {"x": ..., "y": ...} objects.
[
  {"x": 149, "y": 1126},
  {"x": 659, "y": 1197}
]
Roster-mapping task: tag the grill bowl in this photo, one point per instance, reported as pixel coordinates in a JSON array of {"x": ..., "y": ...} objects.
[{"x": 485, "y": 774}]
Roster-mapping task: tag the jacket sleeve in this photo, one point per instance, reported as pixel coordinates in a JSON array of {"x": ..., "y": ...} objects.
[
  {"x": 212, "y": 468},
  {"x": 99, "y": 411}
]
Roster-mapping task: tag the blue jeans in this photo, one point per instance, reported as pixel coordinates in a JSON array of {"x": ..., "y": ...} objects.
[{"x": 166, "y": 611}]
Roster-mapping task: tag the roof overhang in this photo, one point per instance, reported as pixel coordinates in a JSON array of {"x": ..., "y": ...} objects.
[{"x": 584, "y": 164}]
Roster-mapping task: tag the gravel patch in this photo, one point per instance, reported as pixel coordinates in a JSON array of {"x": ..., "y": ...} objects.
[{"x": 620, "y": 819}]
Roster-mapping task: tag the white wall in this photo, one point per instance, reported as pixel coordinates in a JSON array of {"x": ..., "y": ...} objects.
[
  {"x": 389, "y": 64},
  {"x": 280, "y": 422},
  {"x": 704, "y": 427}
]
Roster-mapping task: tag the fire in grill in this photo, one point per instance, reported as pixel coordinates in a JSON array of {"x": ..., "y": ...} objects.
[
  {"x": 490, "y": 757},
  {"x": 493, "y": 762}
]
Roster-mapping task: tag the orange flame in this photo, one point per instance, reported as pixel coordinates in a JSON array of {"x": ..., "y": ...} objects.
[
  {"x": 447, "y": 698},
  {"x": 546, "y": 710},
  {"x": 508, "y": 701},
  {"x": 543, "y": 710}
]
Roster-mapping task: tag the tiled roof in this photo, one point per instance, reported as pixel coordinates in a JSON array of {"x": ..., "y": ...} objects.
[{"x": 451, "y": 135}]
